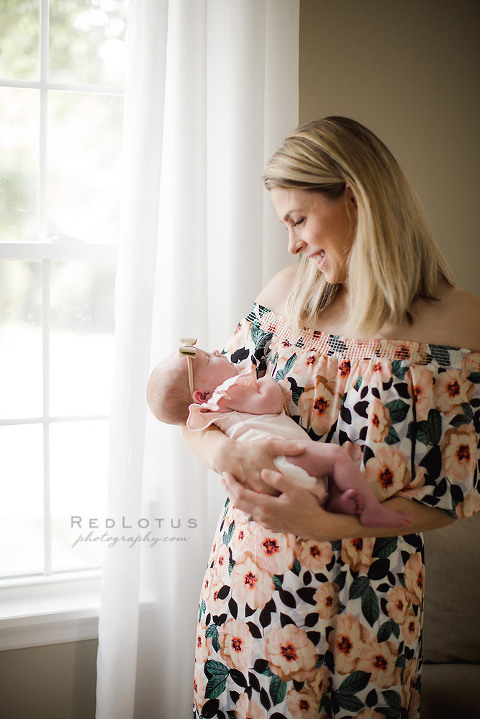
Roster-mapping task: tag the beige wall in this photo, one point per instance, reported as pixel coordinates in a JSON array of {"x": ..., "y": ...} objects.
[
  {"x": 410, "y": 71},
  {"x": 51, "y": 682}
]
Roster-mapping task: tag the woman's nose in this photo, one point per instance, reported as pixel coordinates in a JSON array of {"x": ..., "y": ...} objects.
[{"x": 295, "y": 244}]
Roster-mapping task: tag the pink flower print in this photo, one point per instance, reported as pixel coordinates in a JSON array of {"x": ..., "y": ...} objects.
[
  {"x": 397, "y": 604},
  {"x": 302, "y": 704},
  {"x": 379, "y": 658},
  {"x": 250, "y": 584},
  {"x": 410, "y": 696},
  {"x": 290, "y": 653},
  {"x": 347, "y": 641},
  {"x": 247, "y": 708},
  {"x": 469, "y": 506},
  {"x": 415, "y": 487},
  {"x": 199, "y": 686},
  {"x": 314, "y": 555},
  {"x": 310, "y": 360},
  {"x": 215, "y": 603},
  {"x": 459, "y": 453},
  {"x": 414, "y": 578},
  {"x": 320, "y": 684},
  {"x": 411, "y": 629},
  {"x": 317, "y": 406},
  {"x": 272, "y": 551},
  {"x": 378, "y": 421},
  {"x": 235, "y": 644},
  {"x": 344, "y": 369},
  {"x": 387, "y": 471},
  {"x": 377, "y": 372},
  {"x": 326, "y": 598},
  {"x": 358, "y": 552},
  {"x": 422, "y": 391},
  {"x": 203, "y": 644},
  {"x": 451, "y": 390},
  {"x": 220, "y": 561}
]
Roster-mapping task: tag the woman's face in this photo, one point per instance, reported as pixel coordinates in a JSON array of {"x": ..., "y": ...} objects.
[{"x": 318, "y": 227}]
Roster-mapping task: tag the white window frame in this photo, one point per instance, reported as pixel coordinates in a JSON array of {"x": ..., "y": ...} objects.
[{"x": 53, "y": 607}]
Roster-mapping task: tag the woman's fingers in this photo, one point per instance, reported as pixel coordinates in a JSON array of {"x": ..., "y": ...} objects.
[{"x": 289, "y": 448}]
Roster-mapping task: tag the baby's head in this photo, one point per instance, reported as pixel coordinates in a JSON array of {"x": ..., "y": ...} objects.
[{"x": 169, "y": 393}]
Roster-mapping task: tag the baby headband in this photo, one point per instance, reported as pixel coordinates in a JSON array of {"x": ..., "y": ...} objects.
[{"x": 187, "y": 350}]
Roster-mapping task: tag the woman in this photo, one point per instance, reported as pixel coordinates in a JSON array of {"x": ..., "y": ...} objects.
[{"x": 305, "y": 613}]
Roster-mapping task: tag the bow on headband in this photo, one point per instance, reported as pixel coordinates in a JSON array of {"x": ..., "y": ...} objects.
[{"x": 188, "y": 350}]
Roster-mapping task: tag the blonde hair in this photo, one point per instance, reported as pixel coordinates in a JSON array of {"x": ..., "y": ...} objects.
[
  {"x": 394, "y": 258},
  {"x": 168, "y": 393}
]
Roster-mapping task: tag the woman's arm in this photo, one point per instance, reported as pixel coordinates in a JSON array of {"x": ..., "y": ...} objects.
[
  {"x": 292, "y": 510},
  {"x": 245, "y": 460}
]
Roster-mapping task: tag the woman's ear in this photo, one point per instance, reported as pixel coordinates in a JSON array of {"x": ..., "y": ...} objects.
[
  {"x": 200, "y": 397},
  {"x": 350, "y": 196}
]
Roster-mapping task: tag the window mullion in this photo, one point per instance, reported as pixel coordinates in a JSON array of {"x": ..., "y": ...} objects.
[
  {"x": 42, "y": 158},
  {"x": 47, "y": 514}
]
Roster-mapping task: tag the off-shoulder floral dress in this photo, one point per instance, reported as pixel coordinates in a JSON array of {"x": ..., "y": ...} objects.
[{"x": 289, "y": 627}]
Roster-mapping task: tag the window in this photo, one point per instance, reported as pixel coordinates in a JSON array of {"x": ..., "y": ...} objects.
[{"x": 61, "y": 108}]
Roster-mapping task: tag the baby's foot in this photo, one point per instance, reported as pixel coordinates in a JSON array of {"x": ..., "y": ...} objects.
[{"x": 349, "y": 502}]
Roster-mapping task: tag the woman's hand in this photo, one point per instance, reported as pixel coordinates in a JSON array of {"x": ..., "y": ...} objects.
[
  {"x": 292, "y": 508},
  {"x": 245, "y": 461}
]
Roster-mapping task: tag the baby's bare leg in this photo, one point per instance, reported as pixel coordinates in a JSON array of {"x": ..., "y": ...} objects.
[{"x": 348, "y": 489}]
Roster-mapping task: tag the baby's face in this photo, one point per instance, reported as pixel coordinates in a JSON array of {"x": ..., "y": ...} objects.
[{"x": 211, "y": 369}]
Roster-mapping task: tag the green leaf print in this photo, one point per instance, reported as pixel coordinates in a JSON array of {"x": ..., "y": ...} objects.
[
  {"x": 385, "y": 631},
  {"x": 428, "y": 432},
  {"x": 384, "y": 546},
  {"x": 296, "y": 567},
  {"x": 277, "y": 690},
  {"x": 392, "y": 436},
  {"x": 218, "y": 674},
  {"x": 215, "y": 686},
  {"x": 355, "y": 682},
  {"x": 212, "y": 631},
  {"x": 281, "y": 374},
  {"x": 398, "y": 410},
  {"x": 359, "y": 586},
  {"x": 349, "y": 702},
  {"x": 260, "y": 337},
  {"x": 474, "y": 377},
  {"x": 464, "y": 418},
  {"x": 277, "y": 582},
  {"x": 393, "y": 699},
  {"x": 370, "y": 606},
  {"x": 229, "y": 534},
  {"x": 398, "y": 369}
]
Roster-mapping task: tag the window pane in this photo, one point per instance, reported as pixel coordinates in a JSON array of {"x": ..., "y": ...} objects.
[
  {"x": 87, "y": 41},
  {"x": 19, "y": 118},
  {"x": 78, "y": 453},
  {"x": 83, "y": 166},
  {"x": 21, "y": 508},
  {"x": 81, "y": 350},
  {"x": 19, "y": 23},
  {"x": 20, "y": 340}
]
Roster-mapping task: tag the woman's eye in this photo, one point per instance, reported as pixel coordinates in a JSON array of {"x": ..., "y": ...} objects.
[{"x": 298, "y": 222}]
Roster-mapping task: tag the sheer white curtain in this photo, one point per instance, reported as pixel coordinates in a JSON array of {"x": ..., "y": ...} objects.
[{"x": 212, "y": 89}]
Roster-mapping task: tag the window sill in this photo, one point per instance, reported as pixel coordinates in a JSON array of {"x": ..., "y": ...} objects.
[{"x": 50, "y": 610}]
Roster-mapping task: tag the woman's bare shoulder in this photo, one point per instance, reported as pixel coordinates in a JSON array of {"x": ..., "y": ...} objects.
[
  {"x": 274, "y": 294},
  {"x": 457, "y": 318},
  {"x": 465, "y": 314}
]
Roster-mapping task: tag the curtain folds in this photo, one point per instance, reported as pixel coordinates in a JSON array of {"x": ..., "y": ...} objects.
[{"x": 212, "y": 89}]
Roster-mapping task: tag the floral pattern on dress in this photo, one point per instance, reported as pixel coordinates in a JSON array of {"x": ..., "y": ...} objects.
[{"x": 289, "y": 627}]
